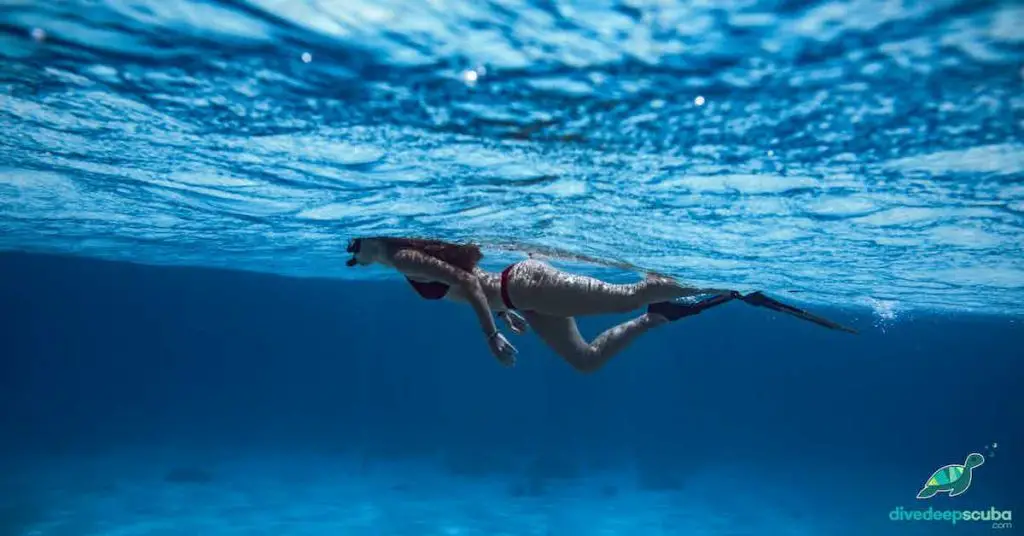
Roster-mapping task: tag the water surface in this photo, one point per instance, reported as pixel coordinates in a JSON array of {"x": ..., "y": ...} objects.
[{"x": 865, "y": 152}]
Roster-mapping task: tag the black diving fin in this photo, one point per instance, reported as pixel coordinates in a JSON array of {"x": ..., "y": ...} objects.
[{"x": 758, "y": 299}]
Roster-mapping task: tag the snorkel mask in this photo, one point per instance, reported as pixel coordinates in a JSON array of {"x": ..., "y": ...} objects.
[{"x": 354, "y": 246}]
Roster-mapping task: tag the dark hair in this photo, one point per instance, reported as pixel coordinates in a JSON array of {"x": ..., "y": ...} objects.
[{"x": 464, "y": 256}]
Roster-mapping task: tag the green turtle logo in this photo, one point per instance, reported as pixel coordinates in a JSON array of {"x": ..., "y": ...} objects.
[{"x": 953, "y": 478}]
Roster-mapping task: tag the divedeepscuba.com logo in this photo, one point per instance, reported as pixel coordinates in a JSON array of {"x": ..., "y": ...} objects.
[
  {"x": 1000, "y": 519},
  {"x": 954, "y": 479}
]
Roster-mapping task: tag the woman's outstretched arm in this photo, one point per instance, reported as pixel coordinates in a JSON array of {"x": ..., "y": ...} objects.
[{"x": 416, "y": 262}]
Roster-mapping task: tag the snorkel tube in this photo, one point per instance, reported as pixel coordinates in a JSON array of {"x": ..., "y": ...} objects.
[{"x": 354, "y": 246}]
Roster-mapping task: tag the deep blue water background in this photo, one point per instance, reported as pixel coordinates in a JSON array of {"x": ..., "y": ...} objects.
[{"x": 103, "y": 356}]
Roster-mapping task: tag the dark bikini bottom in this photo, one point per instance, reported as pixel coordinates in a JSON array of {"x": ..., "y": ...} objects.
[{"x": 504, "y": 287}]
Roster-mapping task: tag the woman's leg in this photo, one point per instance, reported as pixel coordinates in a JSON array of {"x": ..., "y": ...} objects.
[
  {"x": 563, "y": 336},
  {"x": 536, "y": 286}
]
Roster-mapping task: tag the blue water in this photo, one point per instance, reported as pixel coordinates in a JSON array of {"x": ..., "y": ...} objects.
[
  {"x": 160, "y": 401},
  {"x": 183, "y": 351},
  {"x": 866, "y": 152}
]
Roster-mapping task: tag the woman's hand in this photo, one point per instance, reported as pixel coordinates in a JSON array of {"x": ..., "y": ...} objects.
[
  {"x": 514, "y": 321},
  {"x": 502, "y": 349}
]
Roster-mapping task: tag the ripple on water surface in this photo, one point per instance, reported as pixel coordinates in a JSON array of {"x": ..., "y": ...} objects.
[{"x": 865, "y": 152}]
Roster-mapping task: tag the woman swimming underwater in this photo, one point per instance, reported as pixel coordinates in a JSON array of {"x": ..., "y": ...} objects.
[{"x": 549, "y": 299}]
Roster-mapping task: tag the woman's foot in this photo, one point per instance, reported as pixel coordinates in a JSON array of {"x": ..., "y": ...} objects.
[
  {"x": 673, "y": 311},
  {"x": 656, "y": 277}
]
